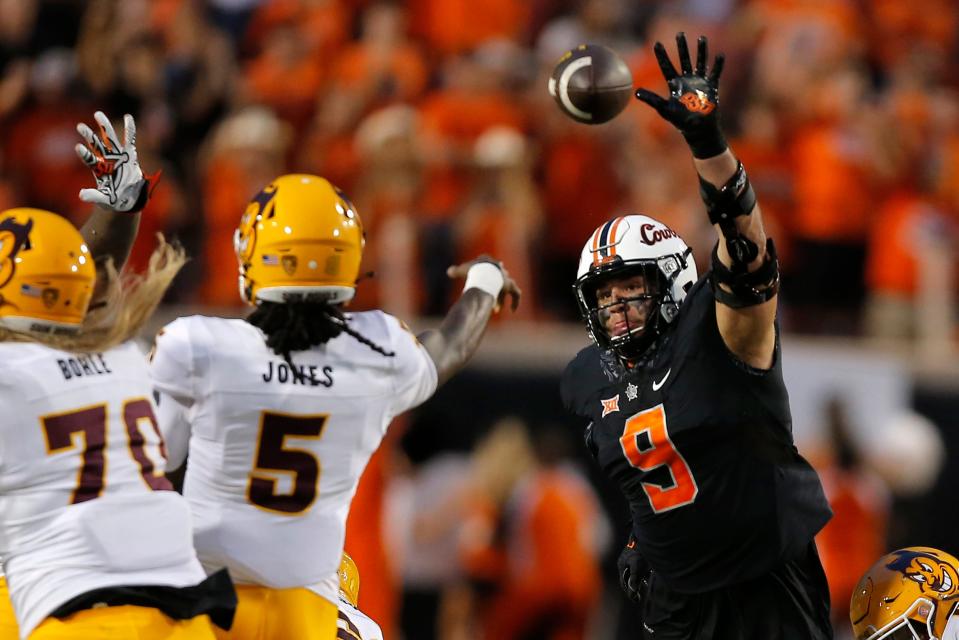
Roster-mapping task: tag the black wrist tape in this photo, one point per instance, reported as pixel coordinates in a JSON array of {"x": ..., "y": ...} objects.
[
  {"x": 735, "y": 198},
  {"x": 706, "y": 144},
  {"x": 737, "y": 289}
]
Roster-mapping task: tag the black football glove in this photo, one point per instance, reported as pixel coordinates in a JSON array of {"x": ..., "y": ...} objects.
[
  {"x": 633, "y": 570},
  {"x": 693, "y": 102}
]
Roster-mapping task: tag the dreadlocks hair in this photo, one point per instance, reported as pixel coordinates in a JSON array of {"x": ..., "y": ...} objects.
[{"x": 298, "y": 326}]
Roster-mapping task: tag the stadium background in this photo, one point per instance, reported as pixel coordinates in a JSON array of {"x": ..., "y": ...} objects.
[{"x": 433, "y": 116}]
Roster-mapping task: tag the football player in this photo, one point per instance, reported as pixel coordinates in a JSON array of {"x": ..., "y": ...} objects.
[
  {"x": 687, "y": 410},
  {"x": 281, "y": 411},
  {"x": 353, "y": 624},
  {"x": 909, "y": 594},
  {"x": 94, "y": 543}
]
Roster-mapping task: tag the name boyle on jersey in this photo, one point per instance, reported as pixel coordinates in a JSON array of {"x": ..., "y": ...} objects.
[
  {"x": 306, "y": 374},
  {"x": 83, "y": 365}
]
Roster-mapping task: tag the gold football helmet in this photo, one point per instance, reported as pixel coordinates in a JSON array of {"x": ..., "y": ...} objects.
[
  {"x": 46, "y": 272},
  {"x": 349, "y": 580},
  {"x": 909, "y": 594},
  {"x": 300, "y": 238}
]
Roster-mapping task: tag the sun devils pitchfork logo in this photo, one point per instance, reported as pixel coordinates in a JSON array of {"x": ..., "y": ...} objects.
[{"x": 13, "y": 238}]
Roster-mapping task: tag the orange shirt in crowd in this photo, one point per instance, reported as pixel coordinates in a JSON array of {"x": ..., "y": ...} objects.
[
  {"x": 226, "y": 193},
  {"x": 358, "y": 66},
  {"x": 289, "y": 87},
  {"x": 856, "y": 535},
  {"x": 457, "y": 26},
  {"x": 379, "y": 593},
  {"x": 898, "y": 28},
  {"x": 546, "y": 571},
  {"x": 833, "y": 200},
  {"x": 39, "y": 151},
  {"x": 456, "y": 119},
  {"x": 905, "y": 221},
  {"x": 324, "y": 23},
  {"x": 581, "y": 190}
]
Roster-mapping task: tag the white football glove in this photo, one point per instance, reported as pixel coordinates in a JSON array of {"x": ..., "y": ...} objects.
[{"x": 121, "y": 185}]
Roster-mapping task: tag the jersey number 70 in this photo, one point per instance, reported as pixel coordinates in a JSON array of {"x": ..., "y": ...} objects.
[
  {"x": 90, "y": 426},
  {"x": 646, "y": 445}
]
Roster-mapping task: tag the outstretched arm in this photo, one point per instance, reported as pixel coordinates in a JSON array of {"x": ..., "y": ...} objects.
[
  {"x": 745, "y": 272},
  {"x": 121, "y": 191},
  {"x": 453, "y": 343}
]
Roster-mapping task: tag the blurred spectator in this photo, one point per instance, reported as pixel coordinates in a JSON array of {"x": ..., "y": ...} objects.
[
  {"x": 387, "y": 195},
  {"x": 232, "y": 16},
  {"x": 832, "y": 155},
  {"x": 502, "y": 215},
  {"x": 384, "y": 65},
  {"x": 17, "y": 27},
  {"x": 472, "y": 100},
  {"x": 240, "y": 157},
  {"x": 428, "y": 508},
  {"x": 454, "y": 27},
  {"x": 533, "y": 544},
  {"x": 850, "y": 543},
  {"x": 40, "y": 140}
]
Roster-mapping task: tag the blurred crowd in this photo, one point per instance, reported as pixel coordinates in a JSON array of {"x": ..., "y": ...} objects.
[{"x": 434, "y": 117}]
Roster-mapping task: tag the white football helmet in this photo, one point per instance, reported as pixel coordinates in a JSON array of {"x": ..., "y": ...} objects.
[{"x": 624, "y": 247}]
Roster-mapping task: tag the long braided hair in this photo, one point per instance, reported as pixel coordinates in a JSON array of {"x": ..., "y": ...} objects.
[{"x": 297, "y": 326}]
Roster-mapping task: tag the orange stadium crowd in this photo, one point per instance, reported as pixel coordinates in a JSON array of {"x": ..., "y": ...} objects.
[{"x": 433, "y": 115}]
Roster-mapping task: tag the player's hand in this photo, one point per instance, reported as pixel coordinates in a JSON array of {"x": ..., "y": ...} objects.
[
  {"x": 121, "y": 185},
  {"x": 510, "y": 288},
  {"x": 693, "y": 102},
  {"x": 633, "y": 570}
]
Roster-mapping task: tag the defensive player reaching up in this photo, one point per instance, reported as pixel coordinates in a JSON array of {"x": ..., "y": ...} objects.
[
  {"x": 94, "y": 543},
  {"x": 281, "y": 412},
  {"x": 687, "y": 410}
]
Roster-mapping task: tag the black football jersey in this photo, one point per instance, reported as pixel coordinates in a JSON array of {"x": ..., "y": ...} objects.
[{"x": 701, "y": 446}]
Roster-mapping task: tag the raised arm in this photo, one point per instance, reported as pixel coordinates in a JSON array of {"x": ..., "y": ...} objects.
[
  {"x": 745, "y": 271},
  {"x": 453, "y": 343},
  {"x": 121, "y": 191}
]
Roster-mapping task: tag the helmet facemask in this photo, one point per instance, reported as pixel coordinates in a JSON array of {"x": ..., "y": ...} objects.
[
  {"x": 627, "y": 325},
  {"x": 914, "y": 624}
]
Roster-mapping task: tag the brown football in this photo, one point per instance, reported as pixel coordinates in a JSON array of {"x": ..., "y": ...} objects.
[{"x": 591, "y": 84}]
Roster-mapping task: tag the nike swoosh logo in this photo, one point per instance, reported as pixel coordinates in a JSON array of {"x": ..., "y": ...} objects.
[{"x": 658, "y": 385}]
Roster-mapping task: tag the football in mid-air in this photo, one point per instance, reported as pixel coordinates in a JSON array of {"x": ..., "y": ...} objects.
[{"x": 591, "y": 84}]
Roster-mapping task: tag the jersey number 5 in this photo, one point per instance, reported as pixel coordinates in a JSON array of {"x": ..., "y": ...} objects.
[
  {"x": 90, "y": 425},
  {"x": 274, "y": 458},
  {"x": 647, "y": 446}
]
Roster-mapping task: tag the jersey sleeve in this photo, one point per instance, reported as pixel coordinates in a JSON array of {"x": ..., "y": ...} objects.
[
  {"x": 414, "y": 373},
  {"x": 172, "y": 374},
  {"x": 171, "y": 361},
  {"x": 581, "y": 376}
]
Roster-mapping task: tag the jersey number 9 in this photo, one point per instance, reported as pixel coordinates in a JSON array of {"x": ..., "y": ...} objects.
[{"x": 647, "y": 446}]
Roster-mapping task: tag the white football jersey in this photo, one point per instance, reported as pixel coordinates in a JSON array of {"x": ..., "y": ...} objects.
[
  {"x": 275, "y": 454},
  {"x": 353, "y": 624},
  {"x": 81, "y": 460}
]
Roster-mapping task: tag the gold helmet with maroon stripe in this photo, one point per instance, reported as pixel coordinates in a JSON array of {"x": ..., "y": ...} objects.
[
  {"x": 300, "y": 238},
  {"x": 629, "y": 246}
]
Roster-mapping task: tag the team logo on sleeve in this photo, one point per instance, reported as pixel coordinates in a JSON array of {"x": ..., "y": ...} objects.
[{"x": 610, "y": 405}]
